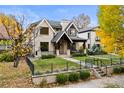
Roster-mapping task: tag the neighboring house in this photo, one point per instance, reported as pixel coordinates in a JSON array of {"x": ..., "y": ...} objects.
[
  {"x": 55, "y": 37},
  {"x": 5, "y": 42},
  {"x": 91, "y": 37}
]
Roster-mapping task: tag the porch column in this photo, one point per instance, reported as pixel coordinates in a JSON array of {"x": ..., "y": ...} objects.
[
  {"x": 68, "y": 52},
  {"x": 84, "y": 46},
  {"x": 57, "y": 52}
]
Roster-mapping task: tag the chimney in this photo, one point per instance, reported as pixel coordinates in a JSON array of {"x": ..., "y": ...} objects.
[{"x": 64, "y": 23}]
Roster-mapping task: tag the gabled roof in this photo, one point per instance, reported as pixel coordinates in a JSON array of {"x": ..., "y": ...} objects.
[
  {"x": 59, "y": 35},
  {"x": 70, "y": 24},
  {"x": 54, "y": 24}
]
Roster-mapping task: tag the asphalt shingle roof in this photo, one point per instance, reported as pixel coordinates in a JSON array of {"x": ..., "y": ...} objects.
[
  {"x": 54, "y": 24},
  {"x": 58, "y": 36}
]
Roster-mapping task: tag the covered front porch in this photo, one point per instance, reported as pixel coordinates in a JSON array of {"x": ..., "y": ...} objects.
[
  {"x": 62, "y": 44},
  {"x": 78, "y": 45}
]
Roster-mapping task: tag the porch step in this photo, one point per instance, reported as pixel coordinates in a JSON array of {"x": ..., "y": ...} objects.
[{"x": 99, "y": 72}]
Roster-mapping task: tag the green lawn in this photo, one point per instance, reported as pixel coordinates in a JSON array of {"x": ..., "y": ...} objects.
[
  {"x": 108, "y": 56},
  {"x": 105, "y": 59},
  {"x": 81, "y": 58},
  {"x": 44, "y": 65}
]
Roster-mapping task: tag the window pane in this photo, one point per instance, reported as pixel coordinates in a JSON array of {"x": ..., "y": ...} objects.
[
  {"x": 44, "y": 46},
  {"x": 44, "y": 30}
]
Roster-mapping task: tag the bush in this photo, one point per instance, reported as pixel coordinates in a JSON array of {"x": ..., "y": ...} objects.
[
  {"x": 6, "y": 57},
  {"x": 78, "y": 55},
  {"x": 117, "y": 70},
  {"x": 74, "y": 76},
  {"x": 122, "y": 69},
  {"x": 84, "y": 75},
  {"x": 95, "y": 50},
  {"x": 62, "y": 78},
  {"x": 47, "y": 56}
]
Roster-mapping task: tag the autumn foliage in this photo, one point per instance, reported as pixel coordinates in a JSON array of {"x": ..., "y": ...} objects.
[{"x": 111, "y": 32}]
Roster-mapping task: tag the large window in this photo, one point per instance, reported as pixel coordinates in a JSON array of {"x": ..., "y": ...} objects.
[
  {"x": 44, "y": 31},
  {"x": 44, "y": 46}
]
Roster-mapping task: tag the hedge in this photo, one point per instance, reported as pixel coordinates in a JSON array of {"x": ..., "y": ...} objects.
[
  {"x": 118, "y": 70},
  {"x": 47, "y": 56},
  {"x": 78, "y": 55},
  {"x": 62, "y": 78},
  {"x": 7, "y": 57},
  {"x": 84, "y": 75},
  {"x": 74, "y": 76}
]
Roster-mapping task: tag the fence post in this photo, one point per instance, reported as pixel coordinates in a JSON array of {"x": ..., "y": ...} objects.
[
  {"x": 97, "y": 62},
  {"x": 106, "y": 70},
  {"x": 67, "y": 65},
  {"x": 51, "y": 67},
  {"x": 80, "y": 64},
  {"x": 92, "y": 63},
  {"x": 120, "y": 61},
  {"x": 85, "y": 62},
  {"x": 111, "y": 61},
  {"x": 101, "y": 63}
]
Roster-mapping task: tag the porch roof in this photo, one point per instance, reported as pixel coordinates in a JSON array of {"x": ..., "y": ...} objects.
[
  {"x": 59, "y": 35},
  {"x": 78, "y": 39}
]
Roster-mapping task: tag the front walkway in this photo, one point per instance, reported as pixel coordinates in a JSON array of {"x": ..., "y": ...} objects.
[
  {"x": 75, "y": 61},
  {"x": 78, "y": 61},
  {"x": 98, "y": 83}
]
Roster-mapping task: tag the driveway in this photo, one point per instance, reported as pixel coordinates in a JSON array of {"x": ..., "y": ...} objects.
[{"x": 98, "y": 83}]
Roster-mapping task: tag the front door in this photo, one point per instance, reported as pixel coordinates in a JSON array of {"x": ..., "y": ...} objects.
[{"x": 63, "y": 47}]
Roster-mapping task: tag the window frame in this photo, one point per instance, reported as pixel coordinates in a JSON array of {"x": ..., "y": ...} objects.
[
  {"x": 44, "y": 48},
  {"x": 41, "y": 31}
]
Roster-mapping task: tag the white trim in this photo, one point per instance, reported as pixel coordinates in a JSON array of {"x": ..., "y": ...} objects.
[
  {"x": 62, "y": 35},
  {"x": 71, "y": 25},
  {"x": 47, "y": 23}
]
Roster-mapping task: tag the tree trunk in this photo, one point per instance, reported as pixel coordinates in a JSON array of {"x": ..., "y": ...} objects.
[{"x": 16, "y": 61}]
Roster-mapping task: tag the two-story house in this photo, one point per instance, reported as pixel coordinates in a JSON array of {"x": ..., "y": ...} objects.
[
  {"x": 90, "y": 35},
  {"x": 56, "y": 37}
]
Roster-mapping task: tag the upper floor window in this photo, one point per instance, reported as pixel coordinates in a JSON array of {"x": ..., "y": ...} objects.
[
  {"x": 88, "y": 35},
  {"x": 44, "y": 31},
  {"x": 72, "y": 32},
  {"x": 97, "y": 38}
]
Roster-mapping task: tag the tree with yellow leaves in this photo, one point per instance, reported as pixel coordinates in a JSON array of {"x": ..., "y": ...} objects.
[
  {"x": 111, "y": 32},
  {"x": 20, "y": 38}
]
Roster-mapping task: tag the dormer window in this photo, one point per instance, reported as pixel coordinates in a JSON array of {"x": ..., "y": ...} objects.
[
  {"x": 72, "y": 32},
  {"x": 44, "y": 31}
]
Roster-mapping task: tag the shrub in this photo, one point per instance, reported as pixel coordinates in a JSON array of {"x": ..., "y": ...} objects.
[
  {"x": 6, "y": 57},
  {"x": 122, "y": 69},
  {"x": 117, "y": 70},
  {"x": 84, "y": 75},
  {"x": 78, "y": 54},
  {"x": 47, "y": 56},
  {"x": 74, "y": 76},
  {"x": 62, "y": 78}
]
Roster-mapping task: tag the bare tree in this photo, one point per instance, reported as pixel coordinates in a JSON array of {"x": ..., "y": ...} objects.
[{"x": 82, "y": 21}]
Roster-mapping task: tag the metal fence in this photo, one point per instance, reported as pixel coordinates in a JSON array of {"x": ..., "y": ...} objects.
[
  {"x": 30, "y": 64},
  {"x": 56, "y": 68},
  {"x": 90, "y": 62}
]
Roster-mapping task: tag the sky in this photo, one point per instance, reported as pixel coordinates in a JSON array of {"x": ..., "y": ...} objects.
[{"x": 52, "y": 12}]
